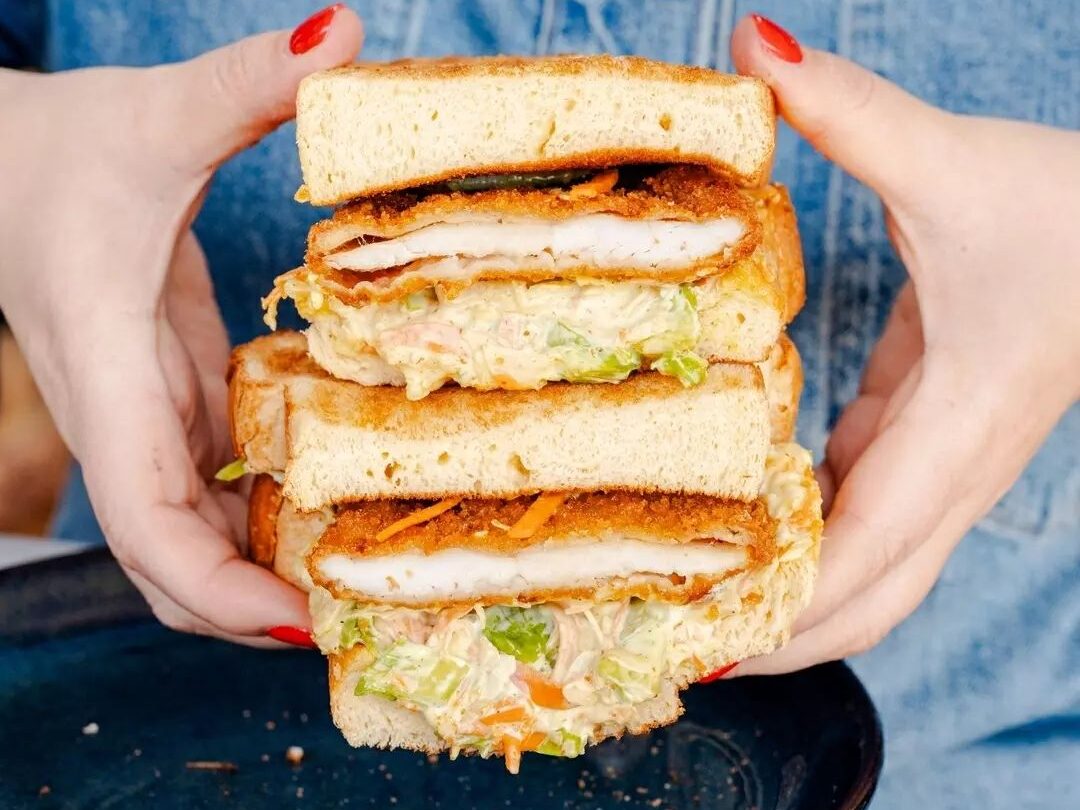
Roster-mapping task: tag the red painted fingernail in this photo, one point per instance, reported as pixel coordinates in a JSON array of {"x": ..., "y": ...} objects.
[
  {"x": 720, "y": 673},
  {"x": 313, "y": 30},
  {"x": 297, "y": 636},
  {"x": 776, "y": 39}
]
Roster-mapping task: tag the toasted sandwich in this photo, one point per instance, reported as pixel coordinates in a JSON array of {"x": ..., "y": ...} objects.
[
  {"x": 491, "y": 278},
  {"x": 532, "y": 459}
]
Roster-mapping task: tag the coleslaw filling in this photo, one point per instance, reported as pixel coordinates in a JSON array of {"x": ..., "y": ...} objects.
[
  {"x": 505, "y": 334},
  {"x": 554, "y": 672}
]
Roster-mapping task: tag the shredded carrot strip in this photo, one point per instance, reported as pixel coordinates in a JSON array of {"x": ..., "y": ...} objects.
[
  {"x": 511, "y": 715},
  {"x": 273, "y": 299},
  {"x": 418, "y": 517},
  {"x": 511, "y": 754},
  {"x": 533, "y": 741},
  {"x": 595, "y": 186},
  {"x": 512, "y": 748},
  {"x": 537, "y": 515},
  {"x": 543, "y": 692}
]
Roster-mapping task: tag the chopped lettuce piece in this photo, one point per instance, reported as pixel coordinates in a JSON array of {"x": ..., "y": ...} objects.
[
  {"x": 357, "y": 629},
  {"x": 524, "y": 633},
  {"x": 563, "y": 335},
  {"x": 602, "y": 365},
  {"x": 683, "y": 329},
  {"x": 586, "y": 362},
  {"x": 686, "y": 366},
  {"x": 440, "y": 682},
  {"x": 419, "y": 299},
  {"x": 562, "y": 743},
  {"x": 384, "y": 676},
  {"x": 233, "y": 470},
  {"x": 412, "y": 672}
]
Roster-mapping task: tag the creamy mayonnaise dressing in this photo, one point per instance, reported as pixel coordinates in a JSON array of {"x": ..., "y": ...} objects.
[
  {"x": 501, "y": 334},
  {"x": 596, "y": 240}
]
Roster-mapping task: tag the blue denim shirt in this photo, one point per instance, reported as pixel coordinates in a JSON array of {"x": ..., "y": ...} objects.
[{"x": 980, "y": 689}]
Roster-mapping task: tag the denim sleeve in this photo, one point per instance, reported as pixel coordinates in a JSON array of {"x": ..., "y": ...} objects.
[{"x": 22, "y": 33}]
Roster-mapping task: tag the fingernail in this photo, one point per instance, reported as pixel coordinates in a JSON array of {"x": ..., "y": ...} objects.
[
  {"x": 313, "y": 30},
  {"x": 297, "y": 636},
  {"x": 720, "y": 673},
  {"x": 776, "y": 39}
]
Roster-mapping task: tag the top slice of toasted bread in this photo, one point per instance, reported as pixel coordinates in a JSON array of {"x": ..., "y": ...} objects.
[{"x": 367, "y": 129}]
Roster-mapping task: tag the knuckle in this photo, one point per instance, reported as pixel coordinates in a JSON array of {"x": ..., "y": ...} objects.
[
  {"x": 861, "y": 88},
  {"x": 232, "y": 74}
]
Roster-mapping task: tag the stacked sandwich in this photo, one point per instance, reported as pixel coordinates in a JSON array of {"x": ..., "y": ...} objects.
[{"x": 532, "y": 457}]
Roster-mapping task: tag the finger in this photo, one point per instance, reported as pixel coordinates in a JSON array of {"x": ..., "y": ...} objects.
[
  {"x": 193, "y": 313},
  {"x": 894, "y": 356},
  {"x": 160, "y": 517},
  {"x": 862, "y": 420},
  {"x": 177, "y": 618},
  {"x": 230, "y": 97},
  {"x": 865, "y": 620},
  {"x": 827, "y": 484},
  {"x": 897, "y": 491},
  {"x": 900, "y": 346},
  {"x": 876, "y": 131},
  {"x": 850, "y": 436}
]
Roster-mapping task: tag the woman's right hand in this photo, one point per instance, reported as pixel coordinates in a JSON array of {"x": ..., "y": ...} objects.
[
  {"x": 980, "y": 357},
  {"x": 108, "y": 294}
]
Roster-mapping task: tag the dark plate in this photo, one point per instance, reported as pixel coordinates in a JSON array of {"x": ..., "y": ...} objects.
[{"x": 76, "y": 647}]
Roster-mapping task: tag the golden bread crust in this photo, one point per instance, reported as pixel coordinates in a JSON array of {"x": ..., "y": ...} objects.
[
  {"x": 256, "y": 375},
  {"x": 452, "y": 67},
  {"x": 781, "y": 246},
  {"x": 783, "y": 386},
  {"x": 264, "y": 506},
  {"x": 471, "y": 410}
]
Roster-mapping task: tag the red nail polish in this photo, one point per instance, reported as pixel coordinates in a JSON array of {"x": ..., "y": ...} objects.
[
  {"x": 776, "y": 39},
  {"x": 313, "y": 30},
  {"x": 720, "y": 673},
  {"x": 296, "y": 636}
]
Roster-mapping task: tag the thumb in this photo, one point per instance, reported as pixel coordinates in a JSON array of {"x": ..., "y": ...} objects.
[
  {"x": 226, "y": 99},
  {"x": 877, "y": 132}
]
